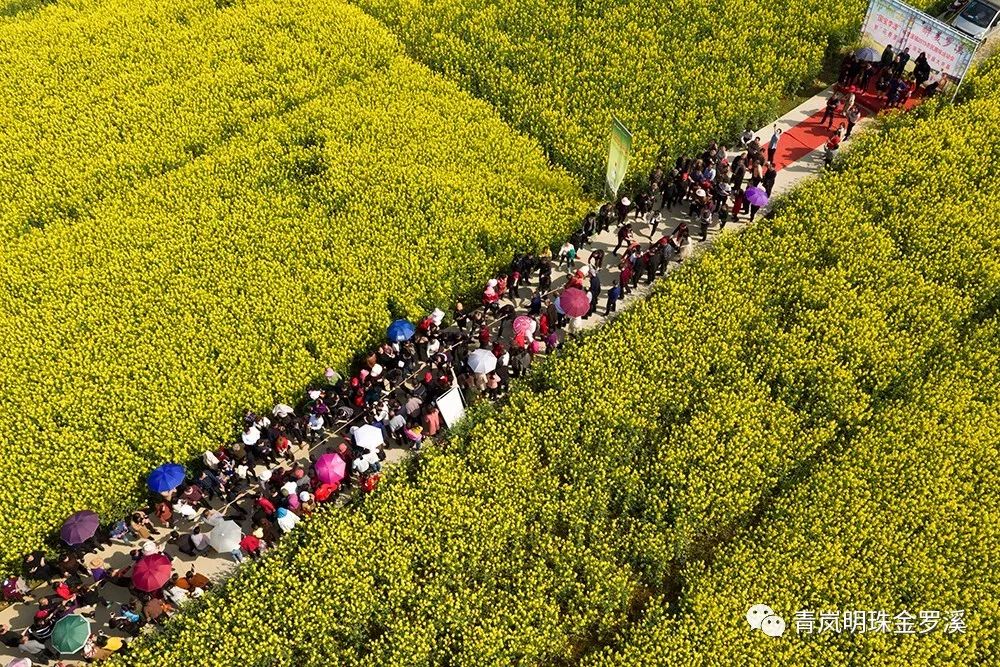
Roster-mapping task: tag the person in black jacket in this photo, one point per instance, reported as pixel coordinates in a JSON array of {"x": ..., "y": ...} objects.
[
  {"x": 604, "y": 216},
  {"x": 544, "y": 276},
  {"x": 641, "y": 262},
  {"x": 901, "y": 61},
  {"x": 653, "y": 260},
  {"x": 595, "y": 292},
  {"x": 921, "y": 69},
  {"x": 739, "y": 172},
  {"x": 769, "y": 177},
  {"x": 623, "y": 208}
]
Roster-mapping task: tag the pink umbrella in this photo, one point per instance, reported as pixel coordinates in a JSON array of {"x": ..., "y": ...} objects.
[
  {"x": 330, "y": 468},
  {"x": 523, "y": 324},
  {"x": 574, "y": 302},
  {"x": 151, "y": 573}
]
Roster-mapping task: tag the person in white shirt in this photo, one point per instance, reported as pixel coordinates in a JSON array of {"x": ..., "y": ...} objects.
[
  {"x": 360, "y": 465},
  {"x": 287, "y": 520},
  {"x": 177, "y": 595},
  {"x": 185, "y": 509},
  {"x": 315, "y": 428},
  {"x": 199, "y": 540},
  {"x": 251, "y": 434}
]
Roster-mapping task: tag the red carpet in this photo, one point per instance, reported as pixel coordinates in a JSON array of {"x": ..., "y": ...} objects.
[
  {"x": 803, "y": 139},
  {"x": 807, "y": 136},
  {"x": 873, "y": 103}
]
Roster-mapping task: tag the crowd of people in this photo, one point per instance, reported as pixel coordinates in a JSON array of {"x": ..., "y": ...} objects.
[
  {"x": 888, "y": 77},
  {"x": 275, "y": 472}
]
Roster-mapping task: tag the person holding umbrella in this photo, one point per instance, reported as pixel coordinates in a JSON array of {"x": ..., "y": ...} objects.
[
  {"x": 226, "y": 537},
  {"x": 757, "y": 198},
  {"x": 165, "y": 479},
  {"x": 70, "y": 634},
  {"x": 151, "y": 572},
  {"x": 80, "y": 530},
  {"x": 103, "y": 647}
]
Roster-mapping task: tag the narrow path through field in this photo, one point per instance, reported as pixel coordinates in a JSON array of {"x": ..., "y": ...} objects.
[{"x": 802, "y": 156}]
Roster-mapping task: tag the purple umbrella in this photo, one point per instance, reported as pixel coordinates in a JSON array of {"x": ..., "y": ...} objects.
[
  {"x": 79, "y": 528},
  {"x": 574, "y": 302},
  {"x": 330, "y": 468},
  {"x": 756, "y": 196}
]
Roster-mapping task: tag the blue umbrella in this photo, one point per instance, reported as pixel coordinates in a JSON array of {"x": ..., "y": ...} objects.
[
  {"x": 399, "y": 331},
  {"x": 166, "y": 478},
  {"x": 868, "y": 54}
]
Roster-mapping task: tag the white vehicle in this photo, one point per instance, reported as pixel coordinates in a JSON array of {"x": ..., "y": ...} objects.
[{"x": 977, "y": 19}]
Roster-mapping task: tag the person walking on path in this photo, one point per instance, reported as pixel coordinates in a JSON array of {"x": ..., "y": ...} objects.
[
  {"x": 623, "y": 208},
  {"x": 624, "y": 237},
  {"x": 770, "y": 176},
  {"x": 772, "y": 145},
  {"x": 567, "y": 254},
  {"x": 853, "y": 116},
  {"x": 595, "y": 293},
  {"x": 831, "y": 109},
  {"x": 626, "y": 271},
  {"x": 614, "y": 294}
]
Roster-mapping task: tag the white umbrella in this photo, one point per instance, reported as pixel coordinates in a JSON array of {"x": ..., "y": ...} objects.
[
  {"x": 369, "y": 437},
  {"x": 482, "y": 361},
  {"x": 282, "y": 410},
  {"x": 225, "y": 537}
]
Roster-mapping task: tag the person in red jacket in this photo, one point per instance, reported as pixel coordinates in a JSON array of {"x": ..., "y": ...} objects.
[
  {"x": 626, "y": 275},
  {"x": 491, "y": 296},
  {"x": 739, "y": 197}
]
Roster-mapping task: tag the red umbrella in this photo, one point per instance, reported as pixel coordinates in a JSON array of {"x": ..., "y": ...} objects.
[
  {"x": 151, "y": 573},
  {"x": 330, "y": 468},
  {"x": 574, "y": 302}
]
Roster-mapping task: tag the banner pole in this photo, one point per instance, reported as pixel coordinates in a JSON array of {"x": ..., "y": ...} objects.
[{"x": 960, "y": 81}]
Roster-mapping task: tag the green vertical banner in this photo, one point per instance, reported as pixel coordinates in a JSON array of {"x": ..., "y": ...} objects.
[{"x": 618, "y": 154}]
